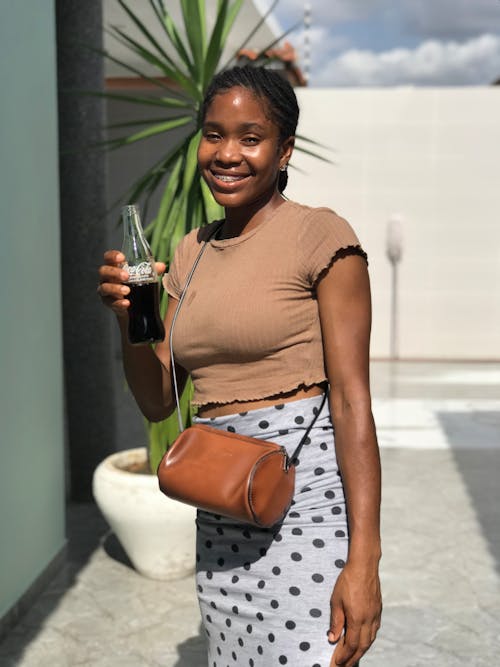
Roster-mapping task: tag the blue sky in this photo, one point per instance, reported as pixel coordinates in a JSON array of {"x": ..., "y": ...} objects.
[{"x": 386, "y": 42}]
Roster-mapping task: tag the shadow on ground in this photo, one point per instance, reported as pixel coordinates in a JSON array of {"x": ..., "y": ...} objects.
[
  {"x": 85, "y": 530},
  {"x": 474, "y": 439},
  {"x": 192, "y": 651}
]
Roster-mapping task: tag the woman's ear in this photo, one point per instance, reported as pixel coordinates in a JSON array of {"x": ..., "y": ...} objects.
[{"x": 286, "y": 151}]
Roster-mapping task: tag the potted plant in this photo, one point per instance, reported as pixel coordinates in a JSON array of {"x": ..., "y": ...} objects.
[{"x": 185, "y": 67}]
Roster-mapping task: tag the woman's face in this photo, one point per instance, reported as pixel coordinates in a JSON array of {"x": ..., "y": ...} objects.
[{"x": 240, "y": 153}]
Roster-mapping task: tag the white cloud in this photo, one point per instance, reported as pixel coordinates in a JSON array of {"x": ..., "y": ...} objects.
[{"x": 474, "y": 61}]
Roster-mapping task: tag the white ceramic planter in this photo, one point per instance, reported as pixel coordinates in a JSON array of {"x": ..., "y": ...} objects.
[{"x": 157, "y": 533}]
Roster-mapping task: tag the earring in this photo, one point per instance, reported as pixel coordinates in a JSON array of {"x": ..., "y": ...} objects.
[{"x": 284, "y": 167}]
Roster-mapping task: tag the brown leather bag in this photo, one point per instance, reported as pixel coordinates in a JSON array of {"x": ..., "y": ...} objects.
[{"x": 243, "y": 478}]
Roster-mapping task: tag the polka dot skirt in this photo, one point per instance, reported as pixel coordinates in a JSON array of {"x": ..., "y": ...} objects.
[{"x": 264, "y": 594}]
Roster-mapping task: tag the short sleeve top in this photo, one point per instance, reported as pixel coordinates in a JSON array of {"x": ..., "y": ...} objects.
[{"x": 249, "y": 326}]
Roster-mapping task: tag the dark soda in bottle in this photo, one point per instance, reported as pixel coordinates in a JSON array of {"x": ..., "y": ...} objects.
[{"x": 144, "y": 321}]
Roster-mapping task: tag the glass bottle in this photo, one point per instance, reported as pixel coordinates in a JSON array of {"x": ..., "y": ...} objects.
[{"x": 144, "y": 322}]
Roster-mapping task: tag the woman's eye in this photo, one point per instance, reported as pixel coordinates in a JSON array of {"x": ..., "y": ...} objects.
[
  {"x": 211, "y": 136},
  {"x": 251, "y": 141}
]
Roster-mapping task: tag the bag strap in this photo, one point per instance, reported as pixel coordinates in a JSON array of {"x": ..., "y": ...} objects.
[
  {"x": 292, "y": 460},
  {"x": 293, "y": 457}
]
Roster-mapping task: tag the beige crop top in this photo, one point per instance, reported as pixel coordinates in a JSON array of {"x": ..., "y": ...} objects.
[{"x": 249, "y": 326}]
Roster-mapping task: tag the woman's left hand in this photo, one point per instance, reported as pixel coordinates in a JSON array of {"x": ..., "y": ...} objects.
[{"x": 356, "y": 609}]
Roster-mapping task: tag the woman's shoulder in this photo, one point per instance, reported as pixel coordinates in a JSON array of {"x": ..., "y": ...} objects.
[{"x": 316, "y": 218}]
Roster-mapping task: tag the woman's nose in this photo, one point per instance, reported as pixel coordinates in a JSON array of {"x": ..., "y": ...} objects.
[{"x": 228, "y": 151}]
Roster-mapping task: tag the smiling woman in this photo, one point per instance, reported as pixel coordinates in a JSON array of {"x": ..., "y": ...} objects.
[
  {"x": 242, "y": 148},
  {"x": 277, "y": 315}
]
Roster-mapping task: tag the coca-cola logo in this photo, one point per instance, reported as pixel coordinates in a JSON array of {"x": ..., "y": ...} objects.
[{"x": 139, "y": 272}]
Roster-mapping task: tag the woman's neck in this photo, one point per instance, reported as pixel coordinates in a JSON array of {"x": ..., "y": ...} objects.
[{"x": 243, "y": 220}]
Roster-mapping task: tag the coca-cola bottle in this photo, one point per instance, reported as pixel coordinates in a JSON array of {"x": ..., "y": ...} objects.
[{"x": 144, "y": 322}]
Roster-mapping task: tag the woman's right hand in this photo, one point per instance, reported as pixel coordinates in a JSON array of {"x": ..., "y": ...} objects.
[{"x": 111, "y": 288}]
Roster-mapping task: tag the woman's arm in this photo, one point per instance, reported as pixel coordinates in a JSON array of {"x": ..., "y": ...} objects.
[
  {"x": 345, "y": 312},
  {"x": 147, "y": 371}
]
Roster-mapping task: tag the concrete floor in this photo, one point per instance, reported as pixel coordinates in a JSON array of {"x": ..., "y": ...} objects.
[{"x": 439, "y": 431}]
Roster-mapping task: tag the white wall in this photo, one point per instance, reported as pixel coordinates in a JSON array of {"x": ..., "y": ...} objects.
[{"x": 432, "y": 156}]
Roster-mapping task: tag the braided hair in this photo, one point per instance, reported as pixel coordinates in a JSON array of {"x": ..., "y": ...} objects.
[{"x": 267, "y": 84}]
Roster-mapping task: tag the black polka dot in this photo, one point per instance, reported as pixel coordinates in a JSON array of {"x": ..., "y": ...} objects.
[
  {"x": 283, "y": 431},
  {"x": 260, "y": 616},
  {"x": 220, "y": 561},
  {"x": 276, "y": 570},
  {"x": 200, "y": 588},
  {"x": 235, "y": 610},
  {"x": 296, "y": 531},
  {"x": 262, "y": 551},
  {"x": 242, "y": 414},
  {"x": 339, "y": 563},
  {"x": 248, "y": 596},
  {"x": 249, "y": 629},
  {"x": 290, "y": 625},
  {"x": 261, "y": 583},
  {"x": 280, "y": 406},
  {"x": 213, "y": 605},
  {"x": 209, "y": 574},
  {"x": 208, "y": 544},
  {"x": 228, "y": 622},
  {"x": 235, "y": 579},
  {"x": 246, "y": 566},
  {"x": 339, "y": 533},
  {"x": 222, "y": 636},
  {"x": 278, "y": 537},
  {"x": 317, "y": 519},
  {"x": 223, "y": 591},
  {"x": 296, "y": 556},
  {"x": 306, "y": 489},
  {"x": 218, "y": 650},
  {"x": 319, "y": 544},
  {"x": 241, "y": 642},
  {"x": 231, "y": 429},
  {"x": 271, "y": 637},
  {"x": 283, "y": 659},
  {"x": 275, "y": 604},
  {"x": 304, "y": 646},
  {"x": 233, "y": 654},
  {"x": 294, "y": 590},
  {"x": 263, "y": 424},
  {"x": 315, "y": 613},
  {"x": 260, "y": 650},
  {"x": 323, "y": 446},
  {"x": 209, "y": 618},
  {"x": 330, "y": 494},
  {"x": 318, "y": 578},
  {"x": 307, "y": 441},
  {"x": 294, "y": 515},
  {"x": 247, "y": 534},
  {"x": 319, "y": 471},
  {"x": 336, "y": 510},
  {"x": 220, "y": 531},
  {"x": 299, "y": 420},
  {"x": 251, "y": 662},
  {"x": 235, "y": 548}
]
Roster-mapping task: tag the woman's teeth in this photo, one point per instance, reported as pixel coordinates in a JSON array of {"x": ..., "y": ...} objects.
[{"x": 229, "y": 179}]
